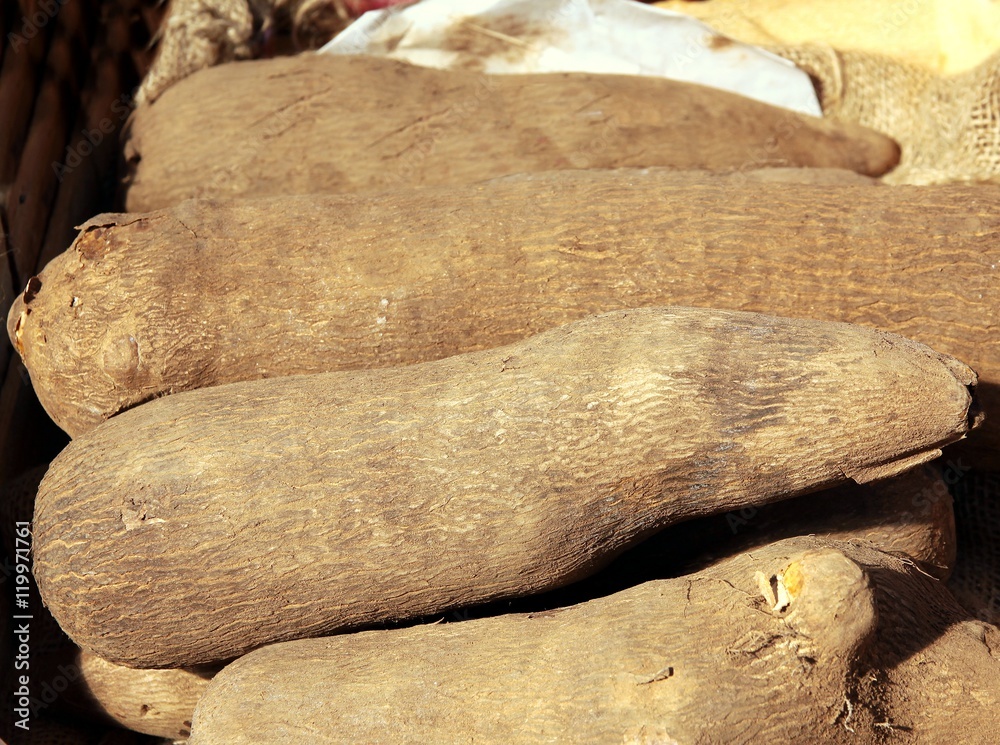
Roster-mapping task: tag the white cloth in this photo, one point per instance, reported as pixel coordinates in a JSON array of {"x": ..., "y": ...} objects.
[{"x": 601, "y": 36}]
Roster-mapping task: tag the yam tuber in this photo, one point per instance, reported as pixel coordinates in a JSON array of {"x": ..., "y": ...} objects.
[
  {"x": 329, "y": 123},
  {"x": 215, "y": 292},
  {"x": 908, "y": 515},
  {"x": 804, "y": 640},
  {"x": 199, "y": 526},
  {"x": 155, "y": 702}
]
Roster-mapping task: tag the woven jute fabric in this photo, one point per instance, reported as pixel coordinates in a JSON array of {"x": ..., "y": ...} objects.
[
  {"x": 197, "y": 34},
  {"x": 203, "y": 33},
  {"x": 948, "y": 128}
]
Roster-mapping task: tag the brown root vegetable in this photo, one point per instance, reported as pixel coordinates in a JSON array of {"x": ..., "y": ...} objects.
[
  {"x": 811, "y": 176},
  {"x": 328, "y": 123},
  {"x": 804, "y": 640},
  {"x": 320, "y": 283},
  {"x": 155, "y": 702},
  {"x": 910, "y": 514},
  {"x": 202, "y": 525}
]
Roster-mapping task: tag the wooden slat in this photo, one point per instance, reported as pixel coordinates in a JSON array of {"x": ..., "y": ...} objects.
[
  {"x": 130, "y": 37},
  {"x": 89, "y": 187},
  {"x": 31, "y": 195},
  {"x": 4, "y": 27},
  {"x": 7, "y": 291},
  {"x": 19, "y": 78},
  {"x": 140, "y": 26}
]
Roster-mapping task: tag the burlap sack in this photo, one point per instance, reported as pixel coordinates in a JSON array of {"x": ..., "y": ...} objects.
[
  {"x": 948, "y": 128},
  {"x": 197, "y": 34},
  {"x": 203, "y": 33}
]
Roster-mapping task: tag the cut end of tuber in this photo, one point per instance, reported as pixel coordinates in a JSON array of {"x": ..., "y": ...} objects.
[
  {"x": 19, "y": 311},
  {"x": 16, "y": 319},
  {"x": 828, "y": 601}
]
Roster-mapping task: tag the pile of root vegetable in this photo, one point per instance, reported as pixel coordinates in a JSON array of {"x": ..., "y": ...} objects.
[{"x": 413, "y": 406}]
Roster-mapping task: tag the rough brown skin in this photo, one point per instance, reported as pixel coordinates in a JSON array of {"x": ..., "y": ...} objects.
[
  {"x": 155, "y": 702},
  {"x": 909, "y": 515},
  {"x": 866, "y": 649},
  {"x": 318, "y": 283},
  {"x": 327, "y": 123},
  {"x": 205, "y": 524}
]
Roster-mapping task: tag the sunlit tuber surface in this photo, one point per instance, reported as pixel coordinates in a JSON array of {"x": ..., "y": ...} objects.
[
  {"x": 204, "y": 524},
  {"x": 805, "y": 640}
]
